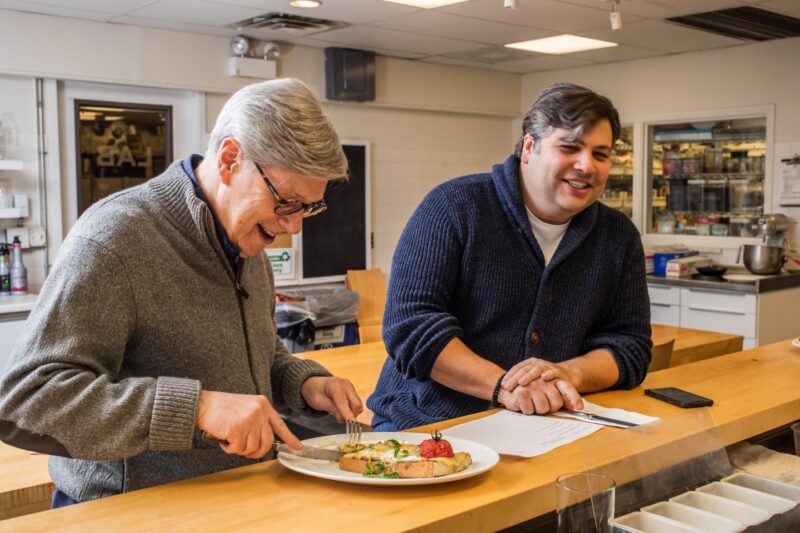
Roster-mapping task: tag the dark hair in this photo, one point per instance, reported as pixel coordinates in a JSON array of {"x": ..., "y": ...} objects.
[{"x": 568, "y": 106}]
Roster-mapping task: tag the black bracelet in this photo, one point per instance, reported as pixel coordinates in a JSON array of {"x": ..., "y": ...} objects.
[{"x": 494, "y": 404}]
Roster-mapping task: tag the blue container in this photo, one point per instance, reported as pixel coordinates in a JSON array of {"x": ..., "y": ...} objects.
[{"x": 660, "y": 260}]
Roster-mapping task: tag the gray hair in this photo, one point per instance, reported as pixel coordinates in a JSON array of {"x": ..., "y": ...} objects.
[
  {"x": 281, "y": 122},
  {"x": 567, "y": 106}
]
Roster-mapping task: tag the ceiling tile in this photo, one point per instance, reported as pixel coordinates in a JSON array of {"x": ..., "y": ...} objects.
[
  {"x": 666, "y": 36},
  {"x": 539, "y": 62},
  {"x": 173, "y": 25},
  {"x": 319, "y": 43},
  {"x": 375, "y": 38},
  {"x": 350, "y": 11},
  {"x": 100, "y": 6},
  {"x": 617, "y": 53},
  {"x": 474, "y": 64},
  {"x": 31, "y": 7},
  {"x": 551, "y": 15},
  {"x": 462, "y": 28},
  {"x": 661, "y": 8},
  {"x": 195, "y": 12},
  {"x": 789, "y": 8},
  {"x": 489, "y": 54}
]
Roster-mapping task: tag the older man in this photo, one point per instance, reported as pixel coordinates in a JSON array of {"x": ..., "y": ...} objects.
[
  {"x": 516, "y": 288},
  {"x": 156, "y": 321}
]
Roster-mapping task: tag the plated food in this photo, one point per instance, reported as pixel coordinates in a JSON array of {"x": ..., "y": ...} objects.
[
  {"x": 481, "y": 459},
  {"x": 394, "y": 459}
]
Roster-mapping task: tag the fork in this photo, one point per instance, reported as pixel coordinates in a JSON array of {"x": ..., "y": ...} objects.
[{"x": 352, "y": 433}]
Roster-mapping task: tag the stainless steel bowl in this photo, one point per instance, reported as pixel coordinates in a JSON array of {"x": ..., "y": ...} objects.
[{"x": 760, "y": 259}]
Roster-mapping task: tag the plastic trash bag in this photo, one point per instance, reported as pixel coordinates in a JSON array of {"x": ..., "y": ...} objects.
[{"x": 325, "y": 307}]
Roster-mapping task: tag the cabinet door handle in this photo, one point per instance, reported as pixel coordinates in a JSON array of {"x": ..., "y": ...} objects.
[
  {"x": 716, "y": 310},
  {"x": 727, "y": 293},
  {"x": 660, "y": 304}
]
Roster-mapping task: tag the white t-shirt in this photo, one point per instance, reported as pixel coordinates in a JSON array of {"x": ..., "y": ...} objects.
[{"x": 547, "y": 235}]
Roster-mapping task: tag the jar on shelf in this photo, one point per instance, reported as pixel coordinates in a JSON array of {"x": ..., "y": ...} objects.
[
  {"x": 672, "y": 164},
  {"x": 712, "y": 159},
  {"x": 715, "y": 196},
  {"x": 694, "y": 194},
  {"x": 678, "y": 194}
]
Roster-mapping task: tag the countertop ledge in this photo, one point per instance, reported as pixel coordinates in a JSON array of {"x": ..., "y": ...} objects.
[
  {"x": 786, "y": 280},
  {"x": 17, "y": 304}
]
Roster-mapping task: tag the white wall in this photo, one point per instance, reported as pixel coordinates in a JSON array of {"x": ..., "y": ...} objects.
[
  {"x": 736, "y": 77},
  {"x": 18, "y": 111},
  {"x": 427, "y": 124}
]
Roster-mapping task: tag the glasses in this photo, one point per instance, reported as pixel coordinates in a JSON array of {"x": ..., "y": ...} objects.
[{"x": 290, "y": 207}]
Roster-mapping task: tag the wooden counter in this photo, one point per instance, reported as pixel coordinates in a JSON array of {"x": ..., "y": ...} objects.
[
  {"x": 25, "y": 485},
  {"x": 695, "y": 345},
  {"x": 362, "y": 363},
  {"x": 754, "y": 391}
]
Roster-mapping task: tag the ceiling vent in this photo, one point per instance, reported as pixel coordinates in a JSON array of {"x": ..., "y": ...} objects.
[
  {"x": 283, "y": 22},
  {"x": 750, "y": 23}
]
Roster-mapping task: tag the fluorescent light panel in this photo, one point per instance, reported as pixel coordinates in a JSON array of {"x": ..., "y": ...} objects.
[
  {"x": 426, "y": 4},
  {"x": 561, "y": 44}
]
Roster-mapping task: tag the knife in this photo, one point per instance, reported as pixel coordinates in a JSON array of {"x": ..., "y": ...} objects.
[
  {"x": 598, "y": 418},
  {"x": 309, "y": 452}
]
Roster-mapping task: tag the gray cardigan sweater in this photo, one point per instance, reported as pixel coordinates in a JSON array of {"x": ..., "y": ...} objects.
[{"x": 140, "y": 311}]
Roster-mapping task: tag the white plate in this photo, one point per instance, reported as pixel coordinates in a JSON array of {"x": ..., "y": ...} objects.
[
  {"x": 483, "y": 458},
  {"x": 796, "y": 342},
  {"x": 744, "y": 278}
]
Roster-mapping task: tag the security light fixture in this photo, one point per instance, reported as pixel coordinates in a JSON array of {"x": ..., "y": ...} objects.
[
  {"x": 510, "y": 4},
  {"x": 616, "y": 16},
  {"x": 240, "y": 45}
]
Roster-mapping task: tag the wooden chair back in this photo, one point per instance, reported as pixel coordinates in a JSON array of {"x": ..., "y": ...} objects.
[
  {"x": 662, "y": 353},
  {"x": 371, "y": 287}
]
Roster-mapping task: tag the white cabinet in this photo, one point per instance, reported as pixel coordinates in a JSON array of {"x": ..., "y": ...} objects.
[
  {"x": 665, "y": 304},
  {"x": 10, "y": 329},
  {"x": 759, "y": 318}
]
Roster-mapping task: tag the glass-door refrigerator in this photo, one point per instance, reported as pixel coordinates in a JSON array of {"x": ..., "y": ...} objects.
[{"x": 706, "y": 178}]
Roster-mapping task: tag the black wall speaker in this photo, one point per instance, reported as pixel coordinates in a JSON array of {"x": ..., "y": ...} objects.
[{"x": 349, "y": 74}]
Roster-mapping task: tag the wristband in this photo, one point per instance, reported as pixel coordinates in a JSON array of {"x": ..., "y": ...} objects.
[{"x": 494, "y": 404}]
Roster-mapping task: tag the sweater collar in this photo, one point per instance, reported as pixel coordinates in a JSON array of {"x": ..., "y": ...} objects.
[
  {"x": 506, "y": 181},
  {"x": 189, "y": 166}
]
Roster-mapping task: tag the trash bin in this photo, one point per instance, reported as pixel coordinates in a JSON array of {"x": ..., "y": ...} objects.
[{"x": 312, "y": 319}]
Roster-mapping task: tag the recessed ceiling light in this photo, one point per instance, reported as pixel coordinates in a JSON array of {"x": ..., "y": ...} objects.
[
  {"x": 561, "y": 44},
  {"x": 426, "y": 4},
  {"x": 305, "y": 3}
]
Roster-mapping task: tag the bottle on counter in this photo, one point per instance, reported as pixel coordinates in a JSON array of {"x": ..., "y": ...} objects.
[
  {"x": 18, "y": 272},
  {"x": 5, "y": 270}
]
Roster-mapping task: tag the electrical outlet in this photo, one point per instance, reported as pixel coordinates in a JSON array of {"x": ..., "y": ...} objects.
[
  {"x": 37, "y": 236},
  {"x": 23, "y": 235}
]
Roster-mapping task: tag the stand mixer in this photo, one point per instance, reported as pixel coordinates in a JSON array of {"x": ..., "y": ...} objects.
[
  {"x": 769, "y": 257},
  {"x": 772, "y": 229}
]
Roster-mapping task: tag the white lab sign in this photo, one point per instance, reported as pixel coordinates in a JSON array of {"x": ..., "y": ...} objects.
[{"x": 282, "y": 261}]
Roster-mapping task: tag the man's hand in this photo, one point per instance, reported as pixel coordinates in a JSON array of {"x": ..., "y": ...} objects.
[
  {"x": 529, "y": 370},
  {"x": 542, "y": 397},
  {"x": 247, "y": 423},
  {"x": 335, "y": 395}
]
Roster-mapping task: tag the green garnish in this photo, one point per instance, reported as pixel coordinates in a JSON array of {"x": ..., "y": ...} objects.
[{"x": 379, "y": 470}]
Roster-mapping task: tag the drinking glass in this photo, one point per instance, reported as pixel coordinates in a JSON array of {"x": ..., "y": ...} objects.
[{"x": 585, "y": 503}]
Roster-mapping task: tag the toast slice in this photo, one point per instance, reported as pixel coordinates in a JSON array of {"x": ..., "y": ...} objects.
[{"x": 392, "y": 459}]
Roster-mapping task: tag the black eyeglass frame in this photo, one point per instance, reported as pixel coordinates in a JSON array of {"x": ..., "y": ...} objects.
[{"x": 289, "y": 207}]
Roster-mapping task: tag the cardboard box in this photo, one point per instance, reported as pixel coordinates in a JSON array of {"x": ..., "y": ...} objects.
[{"x": 685, "y": 266}]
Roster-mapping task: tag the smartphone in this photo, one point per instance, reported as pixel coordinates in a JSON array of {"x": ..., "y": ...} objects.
[{"x": 679, "y": 397}]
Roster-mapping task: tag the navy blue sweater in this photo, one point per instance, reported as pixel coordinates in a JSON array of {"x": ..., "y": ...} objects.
[{"x": 467, "y": 265}]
